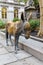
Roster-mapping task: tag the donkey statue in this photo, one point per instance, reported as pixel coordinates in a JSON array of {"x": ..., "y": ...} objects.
[{"x": 16, "y": 29}]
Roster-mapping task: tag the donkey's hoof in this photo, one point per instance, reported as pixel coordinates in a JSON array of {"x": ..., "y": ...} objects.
[
  {"x": 12, "y": 45},
  {"x": 15, "y": 52},
  {"x": 7, "y": 44},
  {"x": 18, "y": 49}
]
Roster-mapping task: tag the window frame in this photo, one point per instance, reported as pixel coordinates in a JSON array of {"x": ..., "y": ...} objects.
[
  {"x": 4, "y": 12},
  {"x": 15, "y": 13}
]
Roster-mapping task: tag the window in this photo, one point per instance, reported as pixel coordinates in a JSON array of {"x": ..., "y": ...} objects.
[
  {"x": 16, "y": 13},
  {"x": 4, "y": 12}
]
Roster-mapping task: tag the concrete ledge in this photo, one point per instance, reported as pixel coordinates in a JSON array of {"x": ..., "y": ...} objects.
[
  {"x": 32, "y": 51},
  {"x": 35, "y": 38}
]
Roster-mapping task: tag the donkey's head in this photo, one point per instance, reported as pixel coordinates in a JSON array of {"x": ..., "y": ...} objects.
[{"x": 27, "y": 30}]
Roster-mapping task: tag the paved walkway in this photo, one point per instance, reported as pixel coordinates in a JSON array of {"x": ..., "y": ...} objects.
[{"x": 8, "y": 57}]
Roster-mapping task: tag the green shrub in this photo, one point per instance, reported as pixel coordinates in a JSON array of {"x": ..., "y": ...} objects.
[
  {"x": 16, "y": 19},
  {"x": 34, "y": 24},
  {"x": 2, "y": 24}
]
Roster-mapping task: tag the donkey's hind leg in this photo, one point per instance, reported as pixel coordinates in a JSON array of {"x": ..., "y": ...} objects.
[
  {"x": 7, "y": 38},
  {"x": 10, "y": 39}
]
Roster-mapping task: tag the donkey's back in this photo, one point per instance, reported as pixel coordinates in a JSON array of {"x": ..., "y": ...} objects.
[{"x": 13, "y": 27}]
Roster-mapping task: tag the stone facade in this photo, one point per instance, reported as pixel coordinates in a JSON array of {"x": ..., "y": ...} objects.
[{"x": 10, "y": 6}]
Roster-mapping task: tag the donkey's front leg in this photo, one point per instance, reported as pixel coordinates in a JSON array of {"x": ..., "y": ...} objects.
[{"x": 16, "y": 43}]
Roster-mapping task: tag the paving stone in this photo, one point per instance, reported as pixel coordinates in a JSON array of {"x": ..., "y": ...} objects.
[
  {"x": 3, "y": 41},
  {"x": 7, "y": 58},
  {"x": 10, "y": 48},
  {"x": 22, "y": 54},
  {"x": 27, "y": 61},
  {"x": 3, "y": 50},
  {"x": 33, "y": 61},
  {"x": 1, "y": 46}
]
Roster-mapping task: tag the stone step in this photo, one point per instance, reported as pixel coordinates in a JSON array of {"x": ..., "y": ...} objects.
[
  {"x": 31, "y": 46},
  {"x": 36, "y": 38}
]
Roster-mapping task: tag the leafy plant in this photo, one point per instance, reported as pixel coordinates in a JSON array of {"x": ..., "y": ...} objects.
[
  {"x": 23, "y": 1},
  {"x": 36, "y": 3},
  {"x": 16, "y": 19},
  {"x": 2, "y": 24},
  {"x": 34, "y": 24}
]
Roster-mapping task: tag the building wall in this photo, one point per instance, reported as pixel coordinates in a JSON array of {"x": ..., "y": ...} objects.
[{"x": 10, "y": 11}]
